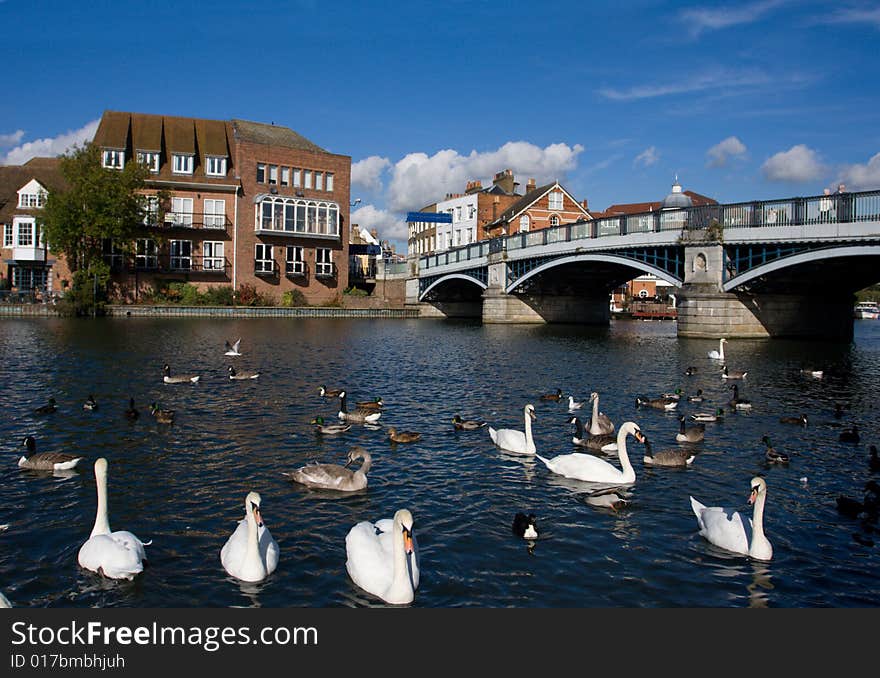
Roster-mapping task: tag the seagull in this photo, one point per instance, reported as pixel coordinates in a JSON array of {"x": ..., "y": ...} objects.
[{"x": 232, "y": 349}]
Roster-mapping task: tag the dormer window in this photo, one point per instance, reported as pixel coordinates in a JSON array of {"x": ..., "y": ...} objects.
[
  {"x": 113, "y": 159},
  {"x": 150, "y": 159},
  {"x": 31, "y": 199},
  {"x": 215, "y": 166},
  {"x": 182, "y": 164}
]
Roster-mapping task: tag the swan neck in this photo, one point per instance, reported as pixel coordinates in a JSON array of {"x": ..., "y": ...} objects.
[
  {"x": 401, "y": 585},
  {"x": 366, "y": 463},
  {"x": 625, "y": 464},
  {"x": 594, "y": 420},
  {"x": 528, "y": 427},
  {"x": 758, "y": 518},
  {"x": 102, "y": 522},
  {"x": 252, "y": 552}
]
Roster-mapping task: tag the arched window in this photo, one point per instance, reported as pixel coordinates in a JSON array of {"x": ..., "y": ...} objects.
[
  {"x": 699, "y": 262},
  {"x": 554, "y": 220}
]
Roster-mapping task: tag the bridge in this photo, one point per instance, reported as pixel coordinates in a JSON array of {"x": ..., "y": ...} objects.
[{"x": 767, "y": 268}]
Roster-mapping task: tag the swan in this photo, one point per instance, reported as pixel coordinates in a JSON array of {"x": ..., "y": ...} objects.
[
  {"x": 728, "y": 531},
  {"x": 667, "y": 457},
  {"x": 131, "y": 412},
  {"x": 573, "y": 404},
  {"x": 232, "y": 349},
  {"x": 334, "y": 476},
  {"x": 516, "y": 441},
  {"x": 605, "y": 442},
  {"x": 600, "y": 423},
  {"x": 383, "y": 558},
  {"x": 525, "y": 526},
  {"x": 719, "y": 354},
  {"x": 233, "y": 374},
  {"x": 250, "y": 553},
  {"x": 4, "y": 601},
  {"x": 46, "y": 461},
  {"x": 581, "y": 466},
  {"x": 168, "y": 379},
  {"x": 359, "y": 416},
  {"x": 117, "y": 555},
  {"x": 467, "y": 424},
  {"x": 90, "y": 403},
  {"x": 689, "y": 434}
]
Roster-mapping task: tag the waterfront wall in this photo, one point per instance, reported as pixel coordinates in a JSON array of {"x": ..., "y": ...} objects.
[{"x": 258, "y": 312}]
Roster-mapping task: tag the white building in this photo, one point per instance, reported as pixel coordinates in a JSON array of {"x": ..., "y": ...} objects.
[{"x": 463, "y": 229}]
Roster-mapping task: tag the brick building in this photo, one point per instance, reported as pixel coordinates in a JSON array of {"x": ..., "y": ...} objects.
[{"x": 541, "y": 207}]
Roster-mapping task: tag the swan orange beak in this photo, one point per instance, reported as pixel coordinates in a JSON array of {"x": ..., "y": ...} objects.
[
  {"x": 640, "y": 437},
  {"x": 407, "y": 541},
  {"x": 258, "y": 516},
  {"x": 753, "y": 496}
]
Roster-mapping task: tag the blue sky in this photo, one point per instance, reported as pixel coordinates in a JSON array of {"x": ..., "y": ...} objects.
[{"x": 743, "y": 101}]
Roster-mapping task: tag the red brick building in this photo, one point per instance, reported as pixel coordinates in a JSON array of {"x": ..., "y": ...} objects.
[{"x": 541, "y": 207}]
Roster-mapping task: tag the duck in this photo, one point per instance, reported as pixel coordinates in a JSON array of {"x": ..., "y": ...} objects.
[
  {"x": 574, "y": 404},
  {"x": 403, "y": 436},
  {"x": 600, "y": 423},
  {"x": 689, "y": 434},
  {"x": 131, "y": 413},
  {"x": 334, "y": 476},
  {"x": 329, "y": 392},
  {"x": 604, "y": 442},
  {"x": 657, "y": 403},
  {"x": 515, "y": 441},
  {"x": 587, "y": 467},
  {"x": 373, "y": 405},
  {"x": 874, "y": 460},
  {"x": 732, "y": 374},
  {"x": 467, "y": 424},
  {"x": 667, "y": 457},
  {"x": 812, "y": 372},
  {"x": 866, "y": 509},
  {"x": 233, "y": 374},
  {"x": 801, "y": 420},
  {"x": 738, "y": 403},
  {"x": 179, "y": 379},
  {"x": 773, "y": 455},
  {"x": 838, "y": 410},
  {"x": 329, "y": 429},
  {"x": 46, "y": 461},
  {"x": 250, "y": 554},
  {"x": 553, "y": 396},
  {"x": 607, "y": 499},
  {"x": 48, "y": 408},
  {"x": 850, "y": 435},
  {"x": 719, "y": 354},
  {"x": 116, "y": 555},
  {"x": 697, "y": 397},
  {"x": 675, "y": 395},
  {"x": 717, "y": 415},
  {"x": 727, "y": 529},
  {"x": 162, "y": 416},
  {"x": 233, "y": 349},
  {"x": 382, "y": 558},
  {"x": 690, "y": 371},
  {"x": 90, "y": 403},
  {"x": 525, "y": 526},
  {"x": 359, "y": 416}
]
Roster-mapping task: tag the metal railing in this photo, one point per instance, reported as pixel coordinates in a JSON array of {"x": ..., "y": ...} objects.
[
  {"x": 165, "y": 263},
  {"x": 195, "y": 220}
]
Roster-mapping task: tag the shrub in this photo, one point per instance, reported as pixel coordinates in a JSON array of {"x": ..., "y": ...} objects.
[
  {"x": 88, "y": 294},
  {"x": 356, "y": 292},
  {"x": 219, "y": 296},
  {"x": 249, "y": 296},
  {"x": 294, "y": 298}
]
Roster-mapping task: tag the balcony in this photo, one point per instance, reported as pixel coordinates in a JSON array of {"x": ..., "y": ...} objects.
[
  {"x": 165, "y": 263},
  {"x": 190, "y": 220},
  {"x": 29, "y": 253}
]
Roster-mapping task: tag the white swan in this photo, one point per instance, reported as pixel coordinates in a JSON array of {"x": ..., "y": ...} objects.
[
  {"x": 515, "y": 441},
  {"x": 383, "y": 559},
  {"x": 334, "y": 476},
  {"x": 727, "y": 530},
  {"x": 232, "y": 349},
  {"x": 4, "y": 601},
  {"x": 581, "y": 466},
  {"x": 250, "y": 553},
  {"x": 600, "y": 423},
  {"x": 117, "y": 555},
  {"x": 719, "y": 354}
]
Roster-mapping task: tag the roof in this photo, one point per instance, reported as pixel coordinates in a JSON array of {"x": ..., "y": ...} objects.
[
  {"x": 523, "y": 203},
  {"x": 12, "y": 177},
  {"x": 274, "y": 135},
  {"x": 641, "y": 207}
]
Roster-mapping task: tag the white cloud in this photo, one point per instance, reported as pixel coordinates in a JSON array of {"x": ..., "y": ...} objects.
[
  {"x": 50, "y": 147},
  {"x": 798, "y": 163},
  {"x": 648, "y": 157},
  {"x": 851, "y": 15},
  {"x": 717, "y": 79},
  {"x": 700, "y": 19},
  {"x": 861, "y": 177},
  {"x": 721, "y": 152},
  {"x": 7, "y": 140},
  {"x": 367, "y": 173},
  {"x": 387, "y": 225},
  {"x": 419, "y": 179}
]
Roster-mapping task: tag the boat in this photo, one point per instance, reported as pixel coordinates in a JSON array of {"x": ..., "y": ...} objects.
[{"x": 867, "y": 309}]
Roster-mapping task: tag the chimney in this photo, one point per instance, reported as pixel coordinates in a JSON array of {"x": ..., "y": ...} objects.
[
  {"x": 473, "y": 187},
  {"x": 530, "y": 186},
  {"x": 584, "y": 204},
  {"x": 504, "y": 180},
  {"x": 495, "y": 201}
]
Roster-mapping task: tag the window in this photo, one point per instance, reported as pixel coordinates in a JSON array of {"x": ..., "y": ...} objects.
[
  {"x": 25, "y": 234},
  {"x": 296, "y": 264},
  {"x": 7, "y": 235},
  {"x": 212, "y": 256},
  {"x": 273, "y": 175},
  {"x": 471, "y": 211},
  {"x": 146, "y": 254},
  {"x": 297, "y": 177},
  {"x": 263, "y": 259},
  {"x": 215, "y": 167},
  {"x": 261, "y": 173},
  {"x": 181, "y": 255},
  {"x": 329, "y": 182},
  {"x": 319, "y": 181},
  {"x": 555, "y": 200},
  {"x": 554, "y": 220},
  {"x": 183, "y": 164},
  {"x": 31, "y": 199},
  {"x": 113, "y": 254},
  {"x": 150, "y": 206},
  {"x": 277, "y": 213},
  {"x": 150, "y": 159},
  {"x": 182, "y": 211},
  {"x": 457, "y": 239},
  {"x": 285, "y": 176},
  {"x": 215, "y": 213},
  {"x": 323, "y": 261},
  {"x": 524, "y": 223},
  {"x": 458, "y": 213},
  {"x": 113, "y": 159},
  {"x": 307, "y": 180},
  {"x": 27, "y": 279}
]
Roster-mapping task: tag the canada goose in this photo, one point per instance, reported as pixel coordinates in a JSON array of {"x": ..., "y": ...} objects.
[
  {"x": 739, "y": 403},
  {"x": 329, "y": 392},
  {"x": 232, "y": 349},
  {"x": 657, "y": 403},
  {"x": 667, "y": 457},
  {"x": 162, "y": 416},
  {"x": 717, "y": 415},
  {"x": 466, "y": 424},
  {"x": 603, "y": 442},
  {"x": 90, "y": 403},
  {"x": 732, "y": 374},
  {"x": 850, "y": 435},
  {"x": 402, "y": 436},
  {"x": 48, "y": 408},
  {"x": 874, "y": 461},
  {"x": 241, "y": 375},
  {"x": 372, "y": 405},
  {"x": 553, "y": 396},
  {"x": 690, "y": 434},
  {"x": 329, "y": 429},
  {"x": 334, "y": 476},
  {"x": 46, "y": 461},
  {"x": 359, "y": 416},
  {"x": 802, "y": 420},
  {"x": 697, "y": 397},
  {"x": 131, "y": 412},
  {"x": 773, "y": 455},
  {"x": 178, "y": 379},
  {"x": 525, "y": 526}
]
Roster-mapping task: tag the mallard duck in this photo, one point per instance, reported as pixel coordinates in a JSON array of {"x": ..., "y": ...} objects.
[
  {"x": 162, "y": 416},
  {"x": 717, "y": 415},
  {"x": 372, "y": 405},
  {"x": 232, "y": 349},
  {"x": 697, "y": 397},
  {"x": 48, "y": 408},
  {"x": 90, "y": 403},
  {"x": 850, "y": 435},
  {"x": 553, "y": 396},
  {"x": 359, "y": 416},
  {"x": 329, "y": 429},
  {"x": 603, "y": 442},
  {"x": 525, "y": 526},
  {"x": 403, "y": 436},
  {"x": 241, "y": 375},
  {"x": 874, "y": 460},
  {"x": 667, "y": 457},
  {"x": 802, "y": 420},
  {"x": 773, "y": 455},
  {"x": 131, "y": 412},
  {"x": 675, "y": 395},
  {"x": 738, "y": 403},
  {"x": 689, "y": 434},
  {"x": 657, "y": 403},
  {"x": 329, "y": 392},
  {"x": 466, "y": 424},
  {"x": 179, "y": 379},
  {"x": 732, "y": 374},
  {"x": 46, "y": 461}
]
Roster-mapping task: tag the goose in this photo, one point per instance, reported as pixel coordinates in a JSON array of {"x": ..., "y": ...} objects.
[
  {"x": 697, "y": 397},
  {"x": 553, "y": 396},
  {"x": 773, "y": 455},
  {"x": 46, "y": 461},
  {"x": 90, "y": 403},
  {"x": 802, "y": 420},
  {"x": 738, "y": 403},
  {"x": 719, "y": 354},
  {"x": 359, "y": 416},
  {"x": 131, "y": 412},
  {"x": 667, "y": 457},
  {"x": 117, "y": 555},
  {"x": 728, "y": 530},
  {"x": 850, "y": 435},
  {"x": 515, "y": 441},
  {"x": 874, "y": 460},
  {"x": 732, "y": 374},
  {"x": 600, "y": 423},
  {"x": 586, "y": 467},
  {"x": 525, "y": 526},
  {"x": 334, "y": 476},
  {"x": 250, "y": 553},
  {"x": 162, "y": 416},
  {"x": 717, "y": 415},
  {"x": 689, "y": 434},
  {"x": 604, "y": 442},
  {"x": 179, "y": 379},
  {"x": 467, "y": 424},
  {"x": 402, "y": 436},
  {"x": 329, "y": 392},
  {"x": 48, "y": 408},
  {"x": 372, "y": 405},
  {"x": 382, "y": 558},
  {"x": 573, "y": 404},
  {"x": 657, "y": 403},
  {"x": 241, "y": 375},
  {"x": 329, "y": 429},
  {"x": 232, "y": 349}
]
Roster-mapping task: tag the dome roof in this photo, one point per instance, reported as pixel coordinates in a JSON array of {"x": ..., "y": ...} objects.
[{"x": 676, "y": 198}]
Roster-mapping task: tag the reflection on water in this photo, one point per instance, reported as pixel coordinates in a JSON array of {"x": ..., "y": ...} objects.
[{"x": 181, "y": 485}]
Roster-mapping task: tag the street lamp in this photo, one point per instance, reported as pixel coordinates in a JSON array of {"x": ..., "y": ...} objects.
[{"x": 355, "y": 203}]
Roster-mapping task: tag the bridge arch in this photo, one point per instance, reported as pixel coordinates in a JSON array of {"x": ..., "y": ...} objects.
[{"x": 447, "y": 278}]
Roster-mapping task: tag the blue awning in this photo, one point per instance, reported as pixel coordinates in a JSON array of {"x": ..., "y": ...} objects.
[{"x": 429, "y": 217}]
